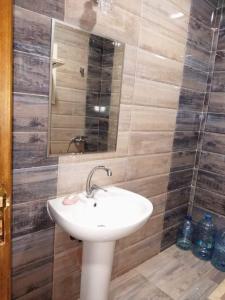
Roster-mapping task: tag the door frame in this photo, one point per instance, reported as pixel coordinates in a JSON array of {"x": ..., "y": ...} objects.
[{"x": 6, "y": 62}]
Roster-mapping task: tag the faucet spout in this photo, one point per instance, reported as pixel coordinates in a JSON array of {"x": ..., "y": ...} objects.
[{"x": 90, "y": 189}]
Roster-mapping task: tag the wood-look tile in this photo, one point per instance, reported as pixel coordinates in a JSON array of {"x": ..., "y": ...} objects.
[
  {"x": 210, "y": 200},
  {"x": 154, "y": 41},
  {"x": 33, "y": 279},
  {"x": 152, "y": 119},
  {"x": 137, "y": 253},
  {"x": 179, "y": 179},
  {"x": 194, "y": 79},
  {"x": 204, "y": 12},
  {"x": 30, "y": 217},
  {"x": 144, "y": 166},
  {"x": 215, "y": 123},
  {"x": 133, "y": 6},
  {"x": 30, "y": 113},
  {"x": 221, "y": 40},
  {"x": 197, "y": 58},
  {"x": 134, "y": 286},
  {"x": 161, "y": 142},
  {"x": 174, "y": 216},
  {"x": 34, "y": 184},
  {"x": 217, "y": 102},
  {"x": 212, "y": 162},
  {"x": 214, "y": 142},
  {"x": 188, "y": 120},
  {"x": 51, "y": 8},
  {"x": 160, "y": 15},
  {"x": 200, "y": 35},
  {"x": 31, "y": 74},
  {"x": 218, "y": 82},
  {"x": 211, "y": 181},
  {"x": 218, "y": 220},
  {"x": 44, "y": 292},
  {"x": 153, "y": 93},
  {"x": 32, "y": 32},
  {"x": 31, "y": 248},
  {"x": 219, "y": 61},
  {"x": 158, "y": 68},
  {"x": 191, "y": 100},
  {"x": 30, "y": 150}
]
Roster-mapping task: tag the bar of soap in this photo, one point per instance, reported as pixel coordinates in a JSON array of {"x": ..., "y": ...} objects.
[{"x": 70, "y": 200}]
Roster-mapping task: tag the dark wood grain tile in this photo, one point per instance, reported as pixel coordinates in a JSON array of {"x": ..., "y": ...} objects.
[
  {"x": 197, "y": 58},
  {"x": 212, "y": 162},
  {"x": 169, "y": 237},
  {"x": 211, "y": 181},
  {"x": 34, "y": 184},
  {"x": 33, "y": 279},
  {"x": 32, "y": 32},
  {"x": 188, "y": 120},
  {"x": 210, "y": 200},
  {"x": 174, "y": 216},
  {"x": 42, "y": 293},
  {"x": 51, "y": 8},
  {"x": 177, "y": 198},
  {"x": 179, "y": 179},
  {"x": 214, "y": 142},
  {"x": 185, "y": 140},
  {"x": 221, "y": 40},
  {"x": 219, "y": 61},
  {"x": 194, "y": 79},
  {"x": 30, "y": 217},
  {"x": 182, "y": 160},
  {"x": 30, "y": 113},
  {"x": 31, "y": 74},
  {"x": 218, "y": 82},
  {"x": 203, "y": 11},
  {"x": 215, "y": 123},
  {"x": 191, "y": 100},
  {"x": 199, "y": 34},
  {"x": 31, "y": 248},
  {"x": 217, "y": 102}
]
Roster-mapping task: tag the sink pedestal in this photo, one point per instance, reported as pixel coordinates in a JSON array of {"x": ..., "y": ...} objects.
[{"x": 97, "y": 264}]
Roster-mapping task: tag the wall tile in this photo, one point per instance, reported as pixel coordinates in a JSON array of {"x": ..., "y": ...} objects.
[
  {"x": 30, "y": 217},
  {"x": 194, "y": 79},
  {"x": 214, "y": 142},
  {"x": 221, "y": 40},
  {"x": 51, "y": 8},
  {"x": 210, "y": 201},
  {"x": 217, "y": 102},
  {"x": 197, "y": 58},
  {"x": 211, "y": 181},
  {"x": 31, "y": 74},
  {"x": 212, "y": 162},
  {"x": 215, "y": 123},
  {"x": 203, "y": 11},
  {"x": 218, "y": 84},
  {"x": 200, "y": 35},
  {"x": 30, "y": 113},
  {"x": 32, "y": 32},
  {"x": 34, "y": 184},
  {"x": 191, "y": 100}
]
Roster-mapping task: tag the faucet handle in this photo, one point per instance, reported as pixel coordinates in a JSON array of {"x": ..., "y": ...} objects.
[{"x": 96, "y": 187}]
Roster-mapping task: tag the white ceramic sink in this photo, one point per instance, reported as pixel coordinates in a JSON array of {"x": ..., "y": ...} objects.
[
  {"x": 99, "y": 222},
  {"x": 108, "y": 216}
]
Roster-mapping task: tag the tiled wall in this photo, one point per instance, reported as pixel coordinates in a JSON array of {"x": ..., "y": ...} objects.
[
  {"x": 210, "y": 178},
  {"x": 35, "y": 175},
  {"x": 163, "y": 92}
]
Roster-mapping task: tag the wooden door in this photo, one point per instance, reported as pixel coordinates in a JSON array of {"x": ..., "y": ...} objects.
[{"x": 5, "y": 146}]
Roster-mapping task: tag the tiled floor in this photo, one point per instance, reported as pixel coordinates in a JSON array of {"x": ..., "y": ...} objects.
[{"x": 172, "y": 275}]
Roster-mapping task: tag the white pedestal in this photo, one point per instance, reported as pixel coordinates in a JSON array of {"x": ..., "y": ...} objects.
[{"x": 97, "y": 263}]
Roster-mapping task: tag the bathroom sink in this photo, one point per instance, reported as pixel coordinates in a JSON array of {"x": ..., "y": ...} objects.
[{"x": 111, "y": 214}]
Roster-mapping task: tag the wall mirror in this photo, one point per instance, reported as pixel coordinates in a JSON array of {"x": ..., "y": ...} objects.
[{"x": 86, "y": 79}]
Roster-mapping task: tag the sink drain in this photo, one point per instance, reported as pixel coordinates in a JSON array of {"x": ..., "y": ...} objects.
[{"x": 101, "y": 225}]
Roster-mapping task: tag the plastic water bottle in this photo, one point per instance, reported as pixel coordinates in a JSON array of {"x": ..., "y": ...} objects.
[
  {"x": 204, "y": 238},
  {"x": 218, "y": 258},
  {"x": 184, "y": 237}
]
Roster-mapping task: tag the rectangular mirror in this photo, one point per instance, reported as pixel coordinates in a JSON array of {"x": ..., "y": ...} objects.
[{"x": 86, "y": 79}]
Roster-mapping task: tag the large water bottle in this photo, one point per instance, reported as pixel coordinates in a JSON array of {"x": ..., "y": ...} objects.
[
  {"x": 184, "y": 236},
  {"x": 203, "y": 242},
  {"x": 218, "y": 258}
]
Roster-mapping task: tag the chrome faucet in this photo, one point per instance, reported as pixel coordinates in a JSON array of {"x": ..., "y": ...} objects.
[{"x": 90, "y": 189}]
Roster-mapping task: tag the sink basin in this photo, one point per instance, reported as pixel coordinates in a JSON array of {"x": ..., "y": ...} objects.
[{"x": 110, "y": 215}]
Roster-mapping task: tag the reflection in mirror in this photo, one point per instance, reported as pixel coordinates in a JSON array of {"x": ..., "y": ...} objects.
[{"x": 85, "y": 91}]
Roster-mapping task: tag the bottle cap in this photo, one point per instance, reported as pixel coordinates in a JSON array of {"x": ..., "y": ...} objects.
[
  {"x": 208, "y": 216},
  {"x": 188, "y": 217}
]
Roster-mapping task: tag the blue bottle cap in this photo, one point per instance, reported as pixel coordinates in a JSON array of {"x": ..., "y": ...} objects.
[
  {"x": 188, "y": 217},
  {"x": 208, "y": 216}
]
